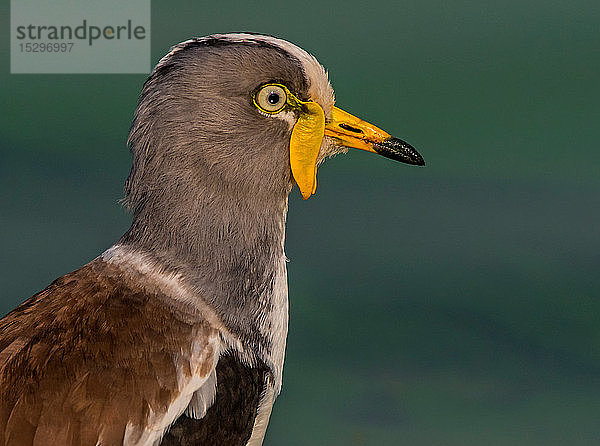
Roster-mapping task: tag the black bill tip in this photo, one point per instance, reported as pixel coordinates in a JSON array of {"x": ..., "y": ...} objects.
[{"x": 399, "y": 150}]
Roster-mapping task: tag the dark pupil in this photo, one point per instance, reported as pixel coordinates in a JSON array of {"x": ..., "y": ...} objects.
[{"x": 273, "y": 98}]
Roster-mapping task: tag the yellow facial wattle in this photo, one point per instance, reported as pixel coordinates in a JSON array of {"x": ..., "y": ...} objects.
[{"x": 305, "y": 143}]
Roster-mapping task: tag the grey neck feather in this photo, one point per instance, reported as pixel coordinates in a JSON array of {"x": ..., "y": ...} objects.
[{"x": 228, "y": 252}]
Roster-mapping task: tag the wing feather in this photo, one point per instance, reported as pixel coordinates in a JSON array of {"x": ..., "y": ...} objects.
[{"x": 94, "y": 358}]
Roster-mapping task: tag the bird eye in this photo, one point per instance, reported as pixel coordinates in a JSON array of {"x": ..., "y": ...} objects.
[{"x": 271, "y": 98}]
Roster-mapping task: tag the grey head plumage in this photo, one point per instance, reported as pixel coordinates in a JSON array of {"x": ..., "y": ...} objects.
[{"x": 210, "y": 177}]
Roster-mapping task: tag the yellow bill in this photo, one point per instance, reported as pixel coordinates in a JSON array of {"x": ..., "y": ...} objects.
[{"x": 353, "y": 132}]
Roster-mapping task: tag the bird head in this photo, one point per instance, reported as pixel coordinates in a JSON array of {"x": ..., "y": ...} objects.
[{"x": 245, "y": 113}]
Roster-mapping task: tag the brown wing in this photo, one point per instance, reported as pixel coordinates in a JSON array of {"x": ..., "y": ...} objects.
[{"x": 88, "y": 355}]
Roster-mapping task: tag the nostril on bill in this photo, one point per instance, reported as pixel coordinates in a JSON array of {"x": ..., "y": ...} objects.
[{"x": 350, "y": 128}]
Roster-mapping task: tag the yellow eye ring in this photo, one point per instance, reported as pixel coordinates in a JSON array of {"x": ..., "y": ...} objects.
[{"x": 272, "y": 98}]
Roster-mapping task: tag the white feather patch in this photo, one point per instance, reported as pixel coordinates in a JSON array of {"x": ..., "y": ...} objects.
[
  {"x": 262, "y": 416},
  {"x": 203, "y": 398}
]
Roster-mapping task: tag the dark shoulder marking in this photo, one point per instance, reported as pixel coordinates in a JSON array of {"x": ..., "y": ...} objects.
[{"x": 229, "y": 421}]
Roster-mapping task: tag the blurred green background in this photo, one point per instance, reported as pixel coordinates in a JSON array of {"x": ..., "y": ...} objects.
[{"x": 452, "y": 305}]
